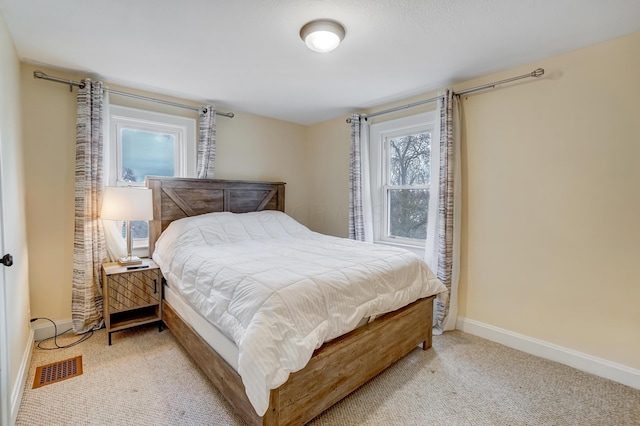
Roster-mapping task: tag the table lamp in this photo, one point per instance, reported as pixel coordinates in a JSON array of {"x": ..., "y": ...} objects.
[{"x": 128, "y": 204}]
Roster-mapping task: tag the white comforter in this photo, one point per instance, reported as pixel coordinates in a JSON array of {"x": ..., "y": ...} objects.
[{"x": 280, "y": 290}]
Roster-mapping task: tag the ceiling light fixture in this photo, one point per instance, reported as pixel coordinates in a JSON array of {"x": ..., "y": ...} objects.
[{"x": 322, "y": 35}]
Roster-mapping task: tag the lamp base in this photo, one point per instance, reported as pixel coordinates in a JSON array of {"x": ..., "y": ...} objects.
[{"x": 130, "y": 260}]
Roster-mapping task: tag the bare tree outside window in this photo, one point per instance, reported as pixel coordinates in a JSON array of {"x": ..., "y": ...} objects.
[
  {"x": 409, "y": 166},
  {"x": 128, "y": 175}
]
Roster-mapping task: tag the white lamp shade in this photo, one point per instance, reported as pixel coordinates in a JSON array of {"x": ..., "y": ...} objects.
[
  {"x": 127, "y": 203},
  {"x": 322, "y": 35}
]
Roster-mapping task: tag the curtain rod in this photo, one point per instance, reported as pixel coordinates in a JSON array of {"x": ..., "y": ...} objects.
[
  {"x": 71, "y": 83},
  {"x": 538, "y": 72}
]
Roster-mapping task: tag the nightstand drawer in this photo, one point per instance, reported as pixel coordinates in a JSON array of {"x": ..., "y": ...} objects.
[{"x": 133, "y": 290}]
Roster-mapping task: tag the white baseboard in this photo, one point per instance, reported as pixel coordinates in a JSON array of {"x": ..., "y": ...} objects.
[
  {"x": 18, "y": 390},
  {"x": 581, "y": 361},
  {"x": 43, "y": 329}
]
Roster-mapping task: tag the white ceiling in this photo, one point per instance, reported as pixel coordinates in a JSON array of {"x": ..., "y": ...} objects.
[{"x": 246, "y": 55}]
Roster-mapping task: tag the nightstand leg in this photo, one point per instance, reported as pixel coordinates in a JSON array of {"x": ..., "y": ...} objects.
[
  {"x": 160, "y": 327},
  {"x": 109, "y": 338}
]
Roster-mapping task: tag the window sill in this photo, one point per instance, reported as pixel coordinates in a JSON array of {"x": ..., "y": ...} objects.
[
  {"x": 418, "y": 250},
  {"x": 142, "y": 251}
]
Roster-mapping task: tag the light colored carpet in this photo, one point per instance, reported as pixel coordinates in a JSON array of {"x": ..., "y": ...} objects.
[{"x": 146, "y": 378}]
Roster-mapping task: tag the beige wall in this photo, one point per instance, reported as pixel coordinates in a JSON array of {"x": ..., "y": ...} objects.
[
  {"x": 248, "y": 147},
  {"x": 329, "y": 177},
  {"x": 15, "y": 282},
  {"x": 254, "y": 147},
  {"x": 551, "y": 204},
  {"x": 49, "y": 134}
]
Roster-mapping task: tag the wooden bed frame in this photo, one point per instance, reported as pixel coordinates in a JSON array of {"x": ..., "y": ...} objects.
[{"x": 337, "y": 368}]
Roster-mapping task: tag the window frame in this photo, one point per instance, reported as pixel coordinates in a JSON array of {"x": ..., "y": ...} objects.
[
  {"x": 185, "y": 150},
  {"x": 182, "y": 128},
  {"x": 379, "y": 137}
]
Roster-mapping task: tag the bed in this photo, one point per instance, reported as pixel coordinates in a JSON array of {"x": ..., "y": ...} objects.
[{"x": 335, "y": 369}]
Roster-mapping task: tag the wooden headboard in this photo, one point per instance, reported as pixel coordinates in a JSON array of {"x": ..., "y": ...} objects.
[{"x": 176, "y": 198}]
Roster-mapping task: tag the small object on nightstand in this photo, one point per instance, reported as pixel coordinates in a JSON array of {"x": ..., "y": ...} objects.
[
  {"x": 137, "y": 267},
  {"x": 132, "y": 295}
]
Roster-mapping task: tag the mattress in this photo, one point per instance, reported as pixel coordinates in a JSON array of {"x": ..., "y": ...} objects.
[
  {"x": 278, "y": 291},
  {"x": 224, "y": 346}
]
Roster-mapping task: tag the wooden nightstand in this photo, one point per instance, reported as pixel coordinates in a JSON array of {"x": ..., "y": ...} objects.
[{"x": 131, "y": 297}]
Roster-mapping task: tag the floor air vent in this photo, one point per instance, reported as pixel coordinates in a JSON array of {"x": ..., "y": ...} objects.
[{"x": 57, "y": 371}]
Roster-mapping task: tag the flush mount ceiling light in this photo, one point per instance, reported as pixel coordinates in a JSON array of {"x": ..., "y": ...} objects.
[{"x": 322, "y": 35}]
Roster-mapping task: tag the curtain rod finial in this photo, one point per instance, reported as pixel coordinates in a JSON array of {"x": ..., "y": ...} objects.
[{"x": 538, "y": 72}]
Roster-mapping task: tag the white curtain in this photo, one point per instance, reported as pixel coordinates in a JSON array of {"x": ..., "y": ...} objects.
[
  {"x": 360, "y": 209},
  {"x": 206, "y": 143},
  {"x": 442, "y": 251},
  {"x": 88, "y": 241},
  {"x": 115, "y": 244}
]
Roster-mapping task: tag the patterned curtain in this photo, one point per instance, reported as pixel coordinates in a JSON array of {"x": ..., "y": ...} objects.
[
  {"x": 207, "y": 143},
  {"x": 448, "y": 213},
  {"x": 88, "y": 241},
  {"x": 360, "y": 209},
  {"x": 356, "y": 219}
]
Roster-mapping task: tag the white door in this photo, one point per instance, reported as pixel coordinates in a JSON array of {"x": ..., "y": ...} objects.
[
  {"x": 15, "y": 333},
  {"x": 5, "y": 397}
]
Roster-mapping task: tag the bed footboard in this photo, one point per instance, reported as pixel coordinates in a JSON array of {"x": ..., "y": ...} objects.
[{"x": 336, "y": 369}]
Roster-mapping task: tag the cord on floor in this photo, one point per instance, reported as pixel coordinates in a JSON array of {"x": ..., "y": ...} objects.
[{"x": 84, "y": 337}]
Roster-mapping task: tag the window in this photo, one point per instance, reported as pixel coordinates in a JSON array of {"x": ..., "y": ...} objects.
[
  {"x": 145, "y": 152},
  {"x": 144, "y": 143},
  {"x": 401, "y": 176}
]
